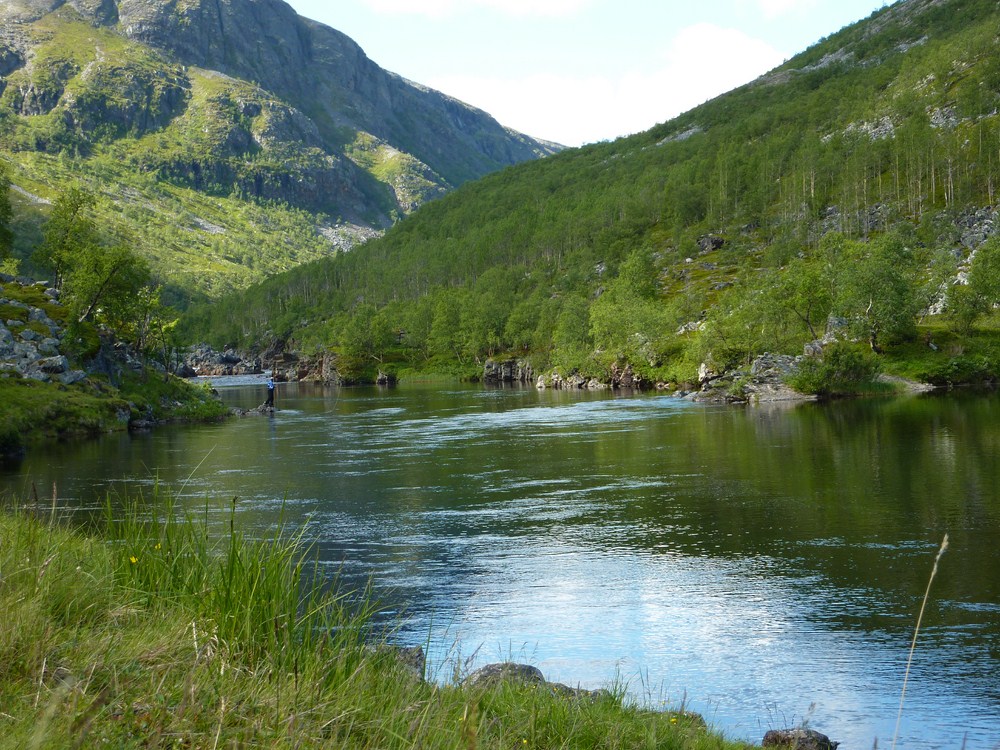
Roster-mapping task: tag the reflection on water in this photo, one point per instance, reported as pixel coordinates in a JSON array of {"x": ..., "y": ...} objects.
[{"x": 765, "y": 566}]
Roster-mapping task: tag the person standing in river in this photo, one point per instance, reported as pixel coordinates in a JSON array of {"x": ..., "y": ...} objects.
[{"x": 270, "y": 393}]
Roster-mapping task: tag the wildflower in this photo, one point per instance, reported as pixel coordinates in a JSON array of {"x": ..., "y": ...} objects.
[
  {"x": 157, "y": 546},
  {"x": 133, "y": 559}
]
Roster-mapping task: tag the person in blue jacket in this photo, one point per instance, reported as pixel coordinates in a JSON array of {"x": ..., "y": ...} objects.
[{"x": 270, "y": 393}]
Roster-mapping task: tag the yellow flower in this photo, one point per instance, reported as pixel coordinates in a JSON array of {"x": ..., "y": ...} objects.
[
  {"x": 133, "y": 559},
  {"x": 157, "y": 546}
]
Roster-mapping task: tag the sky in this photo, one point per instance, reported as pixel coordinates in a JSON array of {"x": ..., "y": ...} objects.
[{"x": 581, "y": 71}]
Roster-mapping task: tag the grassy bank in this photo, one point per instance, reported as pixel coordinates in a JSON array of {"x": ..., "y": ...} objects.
[
  {"x": 147, "y": 633},
  {"x": 32, "y": 412}
]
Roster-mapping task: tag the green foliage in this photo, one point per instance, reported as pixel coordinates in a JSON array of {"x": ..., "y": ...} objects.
[
  {"x": 101, "y": 283},
  {"x": 943, "y": 357},
  {"x": 843, "y": 370},
  {"x": 967, "y": 303},
  {"x": 876, "y": 290},
  {"x": 6, "y": 214},
  {"x": 69, "y": 233}
]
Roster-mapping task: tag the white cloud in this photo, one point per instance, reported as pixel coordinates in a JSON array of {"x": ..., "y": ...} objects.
[
  {"x": 439, "y": 8},
  {"x": 694, "y": 67}
]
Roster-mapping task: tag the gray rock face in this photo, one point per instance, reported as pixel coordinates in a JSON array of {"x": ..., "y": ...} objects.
[
  {"x": 203, "y": 360},
  {"x": 509, "y": 371}
]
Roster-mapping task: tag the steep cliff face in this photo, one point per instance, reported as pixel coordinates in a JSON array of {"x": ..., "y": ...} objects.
[{"x": 238, "y": 97}]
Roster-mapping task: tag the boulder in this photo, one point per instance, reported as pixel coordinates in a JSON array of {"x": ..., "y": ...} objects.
[
  {"x": 72, "y": 376},
  {"x": 624, "y": 377},
  {"x": 411, "y": 660},
  {"x": 507, "y": 671},
  {"x": 706, "y": 373},
  {"x": 710, "y": 242},
  {"x": 525, "y": 674},
  {"x": 53, "y": 365},
  {"x": 798, "y": 739}
]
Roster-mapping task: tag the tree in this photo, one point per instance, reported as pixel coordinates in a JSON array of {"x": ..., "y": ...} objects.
[
  {"x": 804, "y": 291},
  {"x": 966, "y": 303},
  {"x": 443, "y": 339},
  {"x": 876, "y": 290},
  {"x": 100, "y": 283},
  {"x": 69, "y": 233},
  {"x": 6, "y": 214},
  {"x": 104, "y": 283},
  {"x": 628, "y": 319},
  {"x": 367, "y": 335}
]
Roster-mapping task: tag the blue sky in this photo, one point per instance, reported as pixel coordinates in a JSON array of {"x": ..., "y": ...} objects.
[{"x": 580, "y": 71}]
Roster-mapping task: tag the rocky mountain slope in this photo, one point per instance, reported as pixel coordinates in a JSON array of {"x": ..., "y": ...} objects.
[{"x": 233, "y": 99}]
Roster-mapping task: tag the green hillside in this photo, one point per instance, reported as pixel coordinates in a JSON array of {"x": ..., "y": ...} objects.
[{"x": 853, "y": 184}]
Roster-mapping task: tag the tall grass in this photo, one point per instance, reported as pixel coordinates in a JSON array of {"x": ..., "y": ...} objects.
[
  {"x": 153, "y": 631},
  {"x": 913, "y": 643}
]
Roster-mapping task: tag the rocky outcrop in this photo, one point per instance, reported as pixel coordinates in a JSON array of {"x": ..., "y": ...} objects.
[
  {"x": 763, "y": 381},
  {"x": 624, "y": 377},
  {"x": 573, "y": 381},
  {"x": 30, "y": 342},
  {"x": 204, "y": 361},
  {"x": 620, "y": 377},
  {"x": 508, "y": 371}
]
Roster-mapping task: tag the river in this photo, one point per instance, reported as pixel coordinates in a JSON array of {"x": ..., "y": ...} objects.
[{"x": 763, "y": 566}]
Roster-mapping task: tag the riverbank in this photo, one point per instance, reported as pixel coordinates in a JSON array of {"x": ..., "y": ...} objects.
[
  {"x": 57, "y": 385},
  {"x": 148, "y": 634},
  {"x": 33, "y": 412}
]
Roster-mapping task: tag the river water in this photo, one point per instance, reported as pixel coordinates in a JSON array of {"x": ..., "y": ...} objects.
[{"x": 762, "y": 566}]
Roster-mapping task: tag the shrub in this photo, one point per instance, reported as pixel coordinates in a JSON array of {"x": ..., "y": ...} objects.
[{"x": 843, "y": 370}]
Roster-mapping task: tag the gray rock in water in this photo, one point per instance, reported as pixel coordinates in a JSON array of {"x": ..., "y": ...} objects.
[{"x": 799, "y": 739}]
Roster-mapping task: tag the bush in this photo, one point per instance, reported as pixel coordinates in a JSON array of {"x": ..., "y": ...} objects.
[{"x": 843, "y": 370}]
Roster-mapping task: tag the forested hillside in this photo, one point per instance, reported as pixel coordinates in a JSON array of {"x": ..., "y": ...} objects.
[{"x": 852, "y": 186}]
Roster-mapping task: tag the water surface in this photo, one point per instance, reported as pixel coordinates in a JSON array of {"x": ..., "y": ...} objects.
[{"x": 763, "y": 566}]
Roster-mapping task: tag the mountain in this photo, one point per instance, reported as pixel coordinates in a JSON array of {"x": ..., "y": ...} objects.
[
  {"x": 212, "y": 115},
  {"x": 840, "y": 195}
]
